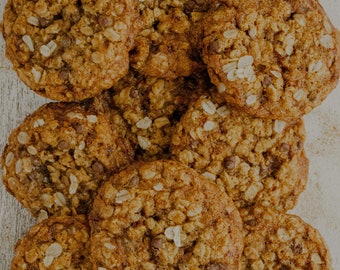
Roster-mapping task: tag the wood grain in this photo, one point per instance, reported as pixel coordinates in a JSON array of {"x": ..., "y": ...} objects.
[{"x": 318, "y": 205}]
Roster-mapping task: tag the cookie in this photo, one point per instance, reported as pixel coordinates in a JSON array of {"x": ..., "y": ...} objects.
[
  {"x": 163, "y": 47},
  {"x": 69, "y": 50},
  {"x": 55, "y": 243},
  {"x": 274, "y": 59},
  {"x": 255, "y": 160},
  {"x": 276, "y": 240},
  {"x": 151, "y": 106},
  {"x": 56, "y": 159},
  {"x": 163, "y": 215}
]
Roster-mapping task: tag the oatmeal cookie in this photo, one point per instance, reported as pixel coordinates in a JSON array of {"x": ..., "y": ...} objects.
[
  {"x": 163, "y": 47},
  {"x": 276, "y": 240},
  {"x": 151, "y": 106},
  {"x": 163, "y": 215},
  {"x": 55, "y": 243},
  {"x": 55, "y": 160},
  {"x": 253, "y": 159},
  {"x": 274, "y": 59},
  {"x": 69, "y": 50}
]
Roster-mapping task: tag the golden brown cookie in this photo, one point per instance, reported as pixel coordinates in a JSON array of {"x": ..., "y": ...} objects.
[
  {"x": 274, "y": 59},
  {"x": 254, "y": 160},
  {"x": 55, "y": 243},
  {"x": 55, "y": 160},
  {"x": 163, "y": 47},
  {"x": 152, "y": 106},
  {"x": 163, "y": 215},
  {"x": 69, "y": 50},
  {"x": 276, "y": 240}
]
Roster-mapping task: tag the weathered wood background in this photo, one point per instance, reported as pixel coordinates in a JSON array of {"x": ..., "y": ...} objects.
[{"x": 318, "y": 205}]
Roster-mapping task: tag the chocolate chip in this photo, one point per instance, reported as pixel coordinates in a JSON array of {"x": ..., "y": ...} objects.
[
  {"x": 105, "y": 21},
  {"x": 134, "y": 92},
  {"x": 97, "y": 167},
  {"x": 266, "y": 81},
  {"x": 275, "y": 165},
  {"x": 284, "y": 148},
  {"x": 260, "y": 68},
  {"x": 251, "y": 222},
  {"x": 297, "y": 249},
  {"x": 299, "y": 145},
  {"x": 157, "y": 243},
  {"x": 64, "y": 74},
  {"x": 65, "y": 41},
  {"x": 230, "y": 163},
  {"x": 78, "y": 128},
  {"x": 62, "y": 145},
  {"x": 44, "y": 22},
  {"x": 214, "y": 47}
]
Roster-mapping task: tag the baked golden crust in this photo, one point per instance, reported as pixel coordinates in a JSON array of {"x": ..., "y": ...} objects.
[
  {"x": 275, "y": 59},
  {"x": 163, "y": 47},
  {"x": 163, "y": 215},
  {"x": 255, "y": 160},
  {"x": 55, "y": 243},
  {"x": 276, "y": 240},
  {"x": 56, "y": 159},
  {"x": 69, "y": 50}
]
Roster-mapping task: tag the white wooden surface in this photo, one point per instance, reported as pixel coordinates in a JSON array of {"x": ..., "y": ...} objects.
[{"x": 318, "y": 205}]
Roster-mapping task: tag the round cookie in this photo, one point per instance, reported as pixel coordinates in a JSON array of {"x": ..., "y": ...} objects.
[
  {"x": 163, "y": 215},
  {"x": 56, "y": 159},
  {"x": 254, "y": 160},
  {"x": 163, "y": 47},
  {"x": 69, "y": 50},
  {"x": 274, "y": 59},
  {"x": 276, "y": 240},
  {"x": 55, "y": 243},
  {"x": 151, "y": 106}
]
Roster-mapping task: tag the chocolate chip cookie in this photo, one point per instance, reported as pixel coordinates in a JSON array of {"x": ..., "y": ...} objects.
[
  {"x": 163, "y": 47},
  {"x": 152, "y": 106},
  {"x": 254, "y": 160},
  {"x": 56, "y": 159},
  {"x": 274, "y": 59},
  {"x": 163, "y": 215},
  {"x": 69, "y": 50},
  {"x": 55, "y": 243},
  {"x": 276, "y": 240}
]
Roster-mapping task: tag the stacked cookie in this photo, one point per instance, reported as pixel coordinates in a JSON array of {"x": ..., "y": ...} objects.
[{"x": 177, "y": 139}]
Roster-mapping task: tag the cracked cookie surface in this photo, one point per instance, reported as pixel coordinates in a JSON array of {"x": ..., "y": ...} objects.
[
  {"x": 277, "y": 240},
  {"x": 252, "y": 159},
  {"x": 69, "y": 50},
  {"x": 56, "y": 159},
  {"x": 163, "y": 215},
  {"x": 275, "y": 59}
]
